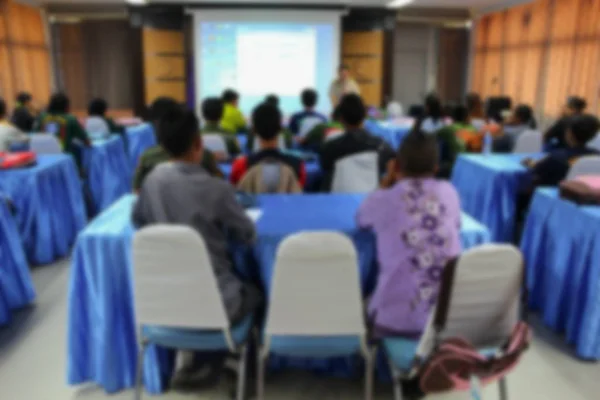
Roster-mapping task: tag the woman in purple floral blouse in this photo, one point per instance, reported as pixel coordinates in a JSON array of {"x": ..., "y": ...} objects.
[{"x": 416, "y": 219}]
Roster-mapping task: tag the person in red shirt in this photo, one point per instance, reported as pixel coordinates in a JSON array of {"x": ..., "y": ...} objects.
[{"x": 267, "y": 125}]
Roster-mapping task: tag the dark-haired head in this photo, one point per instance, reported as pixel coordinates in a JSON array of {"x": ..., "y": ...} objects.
[
  {"x": 59, "y": 104},
  {"x": 582, "y": 129},
  {"x": 460, "y": 114},
  {"x": 343, "y": 72},
  {"x": 575, "y": 105},
  {"x": 433, "y": 107},
  {"x": 160, "y": 107},
  {"x": 266, "y": 121},
  {"x": 97, "y": 108},
  {"x": 524, "y": 116},
  {"x": 352, "y": 111},
  {"x": 418, "y": 156},
  {"x": 309, "y": 98},
  {"x": 230, "y": 96},
  {"x": 212, "y": 109},
  {"x": 178, "y": 135},
  {"x": 23, "y": 98},
  {"x": 336, "y": 115},
  {"x": 273, "y": 100},
  {"x": 2, "y": 109}
]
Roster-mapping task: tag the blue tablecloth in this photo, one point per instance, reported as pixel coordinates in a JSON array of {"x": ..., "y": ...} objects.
[
  {"x": 108, "y": 171},
  {"x": 50, "y": 208},
  {"x": 313, "y": 174},
  {"x": 16, "y": 287},
  {"x": 561, "y": 246},
  {"x": 393, "y": 133},
  {"x": 139, "y": 139},
  {"x": 488, "y": 187},
  {"x": 101, "y": 342}
]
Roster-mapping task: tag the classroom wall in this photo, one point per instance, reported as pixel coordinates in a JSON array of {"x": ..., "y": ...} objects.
[
  {"x": 24, "y": 53},
  {"x": 540, "y": 53}
]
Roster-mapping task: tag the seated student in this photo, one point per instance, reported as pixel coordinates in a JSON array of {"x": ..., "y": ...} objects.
[
  {"x": 266, "y": 125},
  {"x": 8, "y": 132},
  {"x": 273, "y": 100},
  {"x": 433, "y": 120},
  {"x": 554, "y": 168},
  {"x": 23, "y": 115},
  {"x": 323, "y": 132},
  {"x": 416, "y": 220},
  {"x": 556, "y": 135},
  {"x": 476, "y": 110},
  {"x": 157, "y": 155},
  {"x": 233, "y": 120},
  {"x": 181, "y": 192},
  {"x": 455, "y": 138},
  {"x": 58, "y": 121},
  {"x": 285, "y": 139},
  {"x": 354, "y": 140},
  {"x": 304, "y": 122},
  {"x": 212, "y": 112},
  {"x": 521, "y": 120},
  {"x": 97, "y": 122}
]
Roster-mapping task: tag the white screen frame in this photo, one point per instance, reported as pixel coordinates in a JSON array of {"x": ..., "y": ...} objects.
[{"x": 332, "y": 17}]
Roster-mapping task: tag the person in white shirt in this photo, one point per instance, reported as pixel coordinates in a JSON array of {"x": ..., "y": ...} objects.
[
  {"x": 8, "y": 132},
  {"x": 343, "y": 85}
]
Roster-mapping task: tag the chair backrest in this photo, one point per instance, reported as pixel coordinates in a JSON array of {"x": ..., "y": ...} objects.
[
  {"x": 97, "y": 126},
  {"x": 44, "y": 143},
  {"x": 270, "y": 176},
  {"x": 588, "y": 165},
  {"x": 316, "y": 289},
  {"x": 480, "y": 296},
  {"x": 215, "y": 143},
  {"x": 174, "y": 282},
  {"x": 308, "y": 124},
  {"x": 478, "y": 123},
  {"x": 358, "y": 173},
  {"x": 280, "y": 143},
  {"x": 595, "y": 142},
  {"x": 395, "y": 110},
  {"x": 529, "y": 141}
]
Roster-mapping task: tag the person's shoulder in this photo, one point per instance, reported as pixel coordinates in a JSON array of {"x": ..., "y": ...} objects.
[{"x": 153, "y": 154}]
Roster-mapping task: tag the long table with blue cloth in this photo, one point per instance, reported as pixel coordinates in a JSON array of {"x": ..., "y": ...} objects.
[
  {"x": 139, "y": 139},
  {"x": 488, "y": 185},
  {"x": 101, "y": 333},
  {"x": 109, "y": 173},
  {"x": 393, "y": 131},
  {"x": 561, "y": 246},
  {"x": 50, "y": 210},
  {"x": 16, "y": 287}
]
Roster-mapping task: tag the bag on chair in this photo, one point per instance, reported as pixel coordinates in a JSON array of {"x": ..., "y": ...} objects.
[
  {"x": 456, "y": 361},
  {"x": 17, "y": 160},
  {"x": 270, "y": 177},
  {"x": 582, "y": 190}
]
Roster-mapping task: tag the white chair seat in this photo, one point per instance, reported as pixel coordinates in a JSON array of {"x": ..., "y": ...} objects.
[
  {"x": 529, "y": 141},
  {"x": 44, "y": 143},
  {"x": 358, "y": 173},
  {"x": 588, "y": 165}
]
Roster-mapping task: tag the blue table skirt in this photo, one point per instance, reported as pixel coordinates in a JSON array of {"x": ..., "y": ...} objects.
[
  {"x": 16, "y": 287},
  {"x": 108, "y": 170},
  {"x": 392, "y": 133},
  {"x": 488, "y": 187},
  {"x": 50, "y": 208},
  {"x": 101, "y": 332},
  {"x": 139, "y": 139},
  {"x": 561, "y": 246}
]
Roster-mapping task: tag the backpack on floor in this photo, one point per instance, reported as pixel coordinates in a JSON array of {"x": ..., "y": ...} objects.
[
  {"x": 456, "y": 362},
  {"x": 17, "y": 160}
]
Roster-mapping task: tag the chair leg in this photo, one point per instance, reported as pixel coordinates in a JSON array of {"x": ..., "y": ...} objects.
[
  {"x": 260, "y": 375},
  {"x": 140, "y": 372},
  {"x": 396, "y": 381},
  {"x": 503, "y": 389},
  {"x": 369, "y": 362},
  {"x": 241, "y": 383}
]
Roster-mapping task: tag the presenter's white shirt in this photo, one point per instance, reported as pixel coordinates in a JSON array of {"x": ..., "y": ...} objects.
[{"x": 340, "y": 88}]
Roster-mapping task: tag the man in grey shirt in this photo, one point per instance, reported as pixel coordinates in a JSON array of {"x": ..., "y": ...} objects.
[{"x": 182, "y": 192}]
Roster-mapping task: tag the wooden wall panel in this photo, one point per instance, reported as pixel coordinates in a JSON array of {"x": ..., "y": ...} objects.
[
  {"x": 363, "y": 53},
  {"x": 564, "y": 20},
  {"x": 477, "y": 71},
  {"x": 538, "y": 21},
  {"x": 496, "y": 31},
  {"x": 7, "y": 88},
  {"x": 513, "y": 73},
  {"x": 530, "y": 74},
  {"x": 557, "y": 78},
  {"x": 164, "y": 64},
  {"x": 72, "y": 75},
  {"x": 585, "y": 80},
  {"x": 491, "y": 74}
]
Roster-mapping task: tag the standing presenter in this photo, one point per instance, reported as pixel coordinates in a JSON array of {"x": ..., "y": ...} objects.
[{"x": 344, "y": 84}]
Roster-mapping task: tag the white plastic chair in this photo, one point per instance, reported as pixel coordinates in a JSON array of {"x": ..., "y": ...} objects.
[
  {"x": 280, "y": 143},
  {"x": 316, "y": 307},
  {"x": 358, "y": 173},
  {"x": 595, "y": 142},
  {"x": 478, "y": 123},
  {"x": 395, "y": 110},
  {"x": 307, "y": 125},
  {"x": 215, "y": 143},
  {"x": 97, "y": 126},
  {"x": 44, "y": 143},
  {"x": 177, "y": 300},
  {"x": 529, "y": 141},
  {"x": 482, "y": 307},
  {"x": 588, "y": 165}
]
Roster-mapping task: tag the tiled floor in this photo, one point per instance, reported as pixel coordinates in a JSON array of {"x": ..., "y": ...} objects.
[{"x": 33, "y": 348}]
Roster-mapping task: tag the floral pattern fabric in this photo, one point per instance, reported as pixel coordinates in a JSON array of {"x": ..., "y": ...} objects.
[{"x": 417, "y": 224}]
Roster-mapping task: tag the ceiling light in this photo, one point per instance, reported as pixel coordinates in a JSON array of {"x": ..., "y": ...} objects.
[
  {"x": 137, "y": 2},
  {"x": 398, "y": 3}
]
